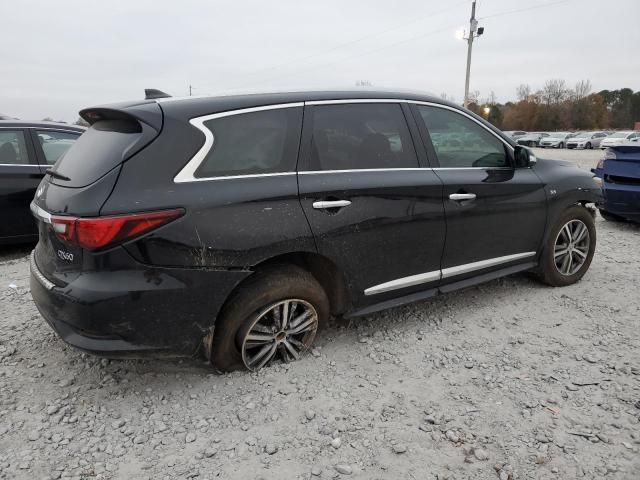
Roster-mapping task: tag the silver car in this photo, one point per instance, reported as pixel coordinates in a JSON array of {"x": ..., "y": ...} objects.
[
  {"x": 617, "y": 138},
  {"x": 556, "y": 140},
  {"x": 514, "y": 134},
  {"x": 586, "y": 140}
]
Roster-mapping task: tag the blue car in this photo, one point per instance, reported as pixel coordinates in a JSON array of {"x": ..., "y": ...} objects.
[{"x": 619, "y": 171}]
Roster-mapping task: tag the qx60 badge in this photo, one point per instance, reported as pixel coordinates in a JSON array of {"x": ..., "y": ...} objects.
[{"x": 65, "y": 255}]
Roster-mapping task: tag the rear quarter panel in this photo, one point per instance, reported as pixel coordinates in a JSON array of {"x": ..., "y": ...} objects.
[{"x": 229, "y": 223}]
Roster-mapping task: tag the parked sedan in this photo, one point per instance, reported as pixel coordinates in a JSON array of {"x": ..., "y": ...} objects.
[
  {"x": 514, "y": 134},
  {"x": 555, "y": 140},
  {"x": 235, "y": 226},
  {"x": 619, "y": 171},
  {"x": 532, "y": 139},
  {"x": 27, "y": 150},
  {"x": 618, "y": 138},
  {"x": 586, "y": 140}
]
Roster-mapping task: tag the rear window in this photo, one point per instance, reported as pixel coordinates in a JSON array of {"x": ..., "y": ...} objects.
[
  {"x": 253, "y": 143},
  {"x": 101, "y": 148}
]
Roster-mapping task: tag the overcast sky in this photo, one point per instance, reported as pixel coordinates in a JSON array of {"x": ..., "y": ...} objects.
[{"x": 58, "y": 57}]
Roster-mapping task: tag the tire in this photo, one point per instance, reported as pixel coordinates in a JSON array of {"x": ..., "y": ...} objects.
[
  {"x": 254, "y": 305},
  {"x": 610, "y": 217},
  {"x": 552, "y": 264},
  {"x": 561, "y": 145},
  {"x": 588, "y": 146}
]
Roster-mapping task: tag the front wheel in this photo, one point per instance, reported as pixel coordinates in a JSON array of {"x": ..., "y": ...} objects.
[
  {"x": 273, "y": 316},
  {"x": 561, "y": 145},
  {"x": 569, "y": 248},
  {"x": 588, "y": 146}
]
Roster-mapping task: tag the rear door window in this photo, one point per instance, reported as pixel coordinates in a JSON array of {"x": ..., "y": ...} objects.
[
  {"x": 13, "y": 148},
  {"x": 360, "y": 136},
  {"x": 55, "y": 144},
  {"x": 253, "y": 143}
]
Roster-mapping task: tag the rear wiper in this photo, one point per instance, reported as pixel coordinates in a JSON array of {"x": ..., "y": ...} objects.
[{"x": 57, "y": 175}]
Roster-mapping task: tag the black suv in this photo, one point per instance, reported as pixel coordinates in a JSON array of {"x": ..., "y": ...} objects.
[{"x": 237, "y": 225}]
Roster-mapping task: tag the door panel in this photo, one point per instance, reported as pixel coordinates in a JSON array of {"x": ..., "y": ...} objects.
[
  {"x": 389, "y": 224},
  {"x": 495, "y": 213},
  {"x": 19, "y": 178},
  {"x": 507, "y": 216},
  {"x": 393, "y": 228}
]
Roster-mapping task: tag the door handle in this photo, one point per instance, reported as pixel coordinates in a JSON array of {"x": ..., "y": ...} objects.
[
  {"x": 456, "y": 197},
  {"x": 323, "y": 204}
]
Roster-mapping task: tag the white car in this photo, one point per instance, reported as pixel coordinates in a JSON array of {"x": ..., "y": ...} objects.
[
  {"x": 586, "y": 140},
  {"x": 617, "y": 138}
]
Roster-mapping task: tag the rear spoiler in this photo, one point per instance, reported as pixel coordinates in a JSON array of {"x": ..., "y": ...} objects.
[{"x": 146, "y": 113}]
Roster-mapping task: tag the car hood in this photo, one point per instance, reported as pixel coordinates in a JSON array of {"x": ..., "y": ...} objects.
[{"x": 579, "y": 139}]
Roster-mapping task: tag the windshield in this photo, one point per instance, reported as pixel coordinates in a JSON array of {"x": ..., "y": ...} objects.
[
  {"x": 558, "y": 134},
  {"x": 619, "y": 135}
]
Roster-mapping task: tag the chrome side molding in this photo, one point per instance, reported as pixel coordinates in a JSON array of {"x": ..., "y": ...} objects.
[{"x": 444, "y": 273}]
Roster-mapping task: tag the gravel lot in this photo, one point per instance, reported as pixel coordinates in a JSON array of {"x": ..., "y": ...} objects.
[{"x": 508, "y": 380}]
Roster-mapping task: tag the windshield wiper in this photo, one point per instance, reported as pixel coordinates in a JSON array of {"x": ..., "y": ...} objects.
[{"x": 57, "y": 175}]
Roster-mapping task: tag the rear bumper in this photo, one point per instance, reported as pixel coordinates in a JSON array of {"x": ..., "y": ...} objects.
[
  {"x": 134, "y": 313},
  {"x": 622, "y": 200}
]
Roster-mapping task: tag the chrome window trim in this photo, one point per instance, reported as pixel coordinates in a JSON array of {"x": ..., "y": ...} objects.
[
  {"x": 61, "y": 130},
  {"x": 79, "y": 132},
  {"x": 420, "y": 278},
  {"x": 356, "y": 100},
  {"x": 360, "y": 170},
  {"x": 187, "y": 173},
  {"x": 20, "y": 165}
]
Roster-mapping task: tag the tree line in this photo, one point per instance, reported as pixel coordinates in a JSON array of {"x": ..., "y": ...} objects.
[{"x": 556, "y": 106}]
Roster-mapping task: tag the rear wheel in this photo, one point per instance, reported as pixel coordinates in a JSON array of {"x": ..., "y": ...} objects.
[
  {"x": 569, "y": 249},
  {"x": 273, "y": 316}
]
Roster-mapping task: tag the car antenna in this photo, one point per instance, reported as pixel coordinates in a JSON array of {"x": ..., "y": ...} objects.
[{"x": 151, "y": 93}]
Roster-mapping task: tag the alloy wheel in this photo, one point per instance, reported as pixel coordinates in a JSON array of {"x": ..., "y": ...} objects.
[
  {"x": 571, "y": 247},
  {"x": 284, "y": 330}
]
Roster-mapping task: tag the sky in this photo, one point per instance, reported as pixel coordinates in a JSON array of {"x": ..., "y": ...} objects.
[{"x": 59, "y": 57}]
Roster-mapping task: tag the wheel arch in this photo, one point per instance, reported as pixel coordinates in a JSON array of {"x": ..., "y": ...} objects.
[{"x": 325, "y": 271}]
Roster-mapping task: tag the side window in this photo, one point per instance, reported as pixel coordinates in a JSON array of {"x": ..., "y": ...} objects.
[
  {"x": 253, "y": 143},
  {"x": 360, "y": 136},
  {"x": 13, "y": 148},
  {"x": 55, "y": 144},
  {"x": 460, "y": 142}
]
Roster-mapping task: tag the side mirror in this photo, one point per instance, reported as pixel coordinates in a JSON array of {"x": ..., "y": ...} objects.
[{"x": 523, "y": 157}]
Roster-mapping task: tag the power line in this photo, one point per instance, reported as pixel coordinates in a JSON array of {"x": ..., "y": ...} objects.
[
  {"x": 358, "y": 40},
  {"x": 509, "y": 12},
  {"x": 433, "y": 32}
]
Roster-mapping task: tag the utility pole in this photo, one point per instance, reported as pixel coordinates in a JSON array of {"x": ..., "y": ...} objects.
[{"x": 474, "y": 32}]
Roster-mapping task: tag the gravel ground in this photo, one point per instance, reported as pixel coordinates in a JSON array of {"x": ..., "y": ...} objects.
[{"x": 508, "y": 380}]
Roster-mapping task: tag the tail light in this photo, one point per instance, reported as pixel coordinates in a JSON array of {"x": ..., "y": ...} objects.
[{"x": 101, "y": 232}]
